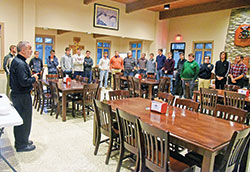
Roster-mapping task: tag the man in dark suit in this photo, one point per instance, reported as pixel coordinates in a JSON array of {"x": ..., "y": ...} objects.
[{"x": 21, "y": 85}]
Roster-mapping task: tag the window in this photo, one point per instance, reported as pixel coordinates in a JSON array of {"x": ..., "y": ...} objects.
[
  {"x": 102, "y": 46},
  {"x": 44, "y": 44},
  {"x": 1, "y": 45},
  {"x": 202, "y": 49},
  {"x": 136, "y": 49}
]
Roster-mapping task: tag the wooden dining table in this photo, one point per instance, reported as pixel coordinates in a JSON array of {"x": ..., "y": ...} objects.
[
  {"x": 200, "y": 133},
  {"x": 65, "y": 89},
  {"x": 147, "y": 82},
  {"x": 220, "y": 95}
]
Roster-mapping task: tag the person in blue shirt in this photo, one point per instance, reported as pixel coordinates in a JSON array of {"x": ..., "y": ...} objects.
[
  {"x": 160, "y": 61},
  {"x": 52, "y": 63}
]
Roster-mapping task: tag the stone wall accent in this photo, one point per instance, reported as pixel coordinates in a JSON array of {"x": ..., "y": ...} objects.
[{"x": 238, "y": 17}]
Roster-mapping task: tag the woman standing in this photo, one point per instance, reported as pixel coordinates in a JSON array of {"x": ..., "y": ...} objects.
[{"x": 222, "y": 68}]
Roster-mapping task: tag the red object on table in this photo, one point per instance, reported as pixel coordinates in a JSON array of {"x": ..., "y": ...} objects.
[{"x": 157, "y": 106}]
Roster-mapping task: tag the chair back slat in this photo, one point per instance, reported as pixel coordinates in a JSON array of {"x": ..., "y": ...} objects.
[
  {"x": 153, "y": 145},
  {"x": 235, "y": 150},
  {"x": 54, "y": 92},
  {"x": 128, "y": 130},
  {"x": 230, "y": 87},
  {"x": 162, "y": 84},
  {"x": 208, "y": 100},
  {"x": 131, "y": 85},
  {"x": 118, "y": 94},
  {"x": 117, "y": 81},
  {"x": 166, "y": 97},
  {"x": 187, "y": 104},
  {"x": 230, "y": 113},
  {"x": 103, "y": 116},
  {"x": 234, "y": 99},
  {"x": 89, "y": 93}
]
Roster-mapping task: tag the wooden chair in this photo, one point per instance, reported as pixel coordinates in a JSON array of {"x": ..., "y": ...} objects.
[
  {"x": 60, "y": 72},
  {"x": 208, "y": 100},
  {"x": 117, "y": 82},
  {"x": 187, "y": 104},
  {"x": 36, "y": 94},
  {"x": 138, "y": 88},
  {"x": 118, "y": 94},
  {"x": 83, "y": 79},
  {"x": 51, "y": 76},
  {"x": 230, "y": 87},
  {"x": 95, "y": 73},
  {"x": 77, "y": 77},
  {"x": 230, "y": 113},
  {"x": 154, "y": 150},
  {"x": 166, "y": 97},
  {"x": 105, "y": 126},
  {"x": 162, "y": 84},
  {"x": 44, "y": 97},
  {"x": 231, "y": 158},
  {"x": 167, "y": 84},
  {"x": 131, "y": 85},
  {"x": 90, "y": 92},
  {"x": 128, "y": 137},
  {"x": 56, "y": 99},
  {"x": 41, "y": 75},
  {"x": 234, "y": 99}
]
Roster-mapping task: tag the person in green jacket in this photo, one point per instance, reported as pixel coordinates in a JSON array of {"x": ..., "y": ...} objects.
[{"x": 189, "y": 74}]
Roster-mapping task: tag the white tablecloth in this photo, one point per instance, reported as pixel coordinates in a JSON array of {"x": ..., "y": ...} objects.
[{"x": 12, "y": 118}]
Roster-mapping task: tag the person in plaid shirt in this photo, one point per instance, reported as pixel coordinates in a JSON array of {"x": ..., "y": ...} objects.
[{"x": 237, "y": 72}]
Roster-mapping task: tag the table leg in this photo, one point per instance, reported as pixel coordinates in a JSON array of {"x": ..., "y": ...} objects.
[
  {"x": 150, "y": 90},
  {"x": 195, "y": 97},
  {"x": 208, "y": 162},
  {"x": 64, "y": 106}
]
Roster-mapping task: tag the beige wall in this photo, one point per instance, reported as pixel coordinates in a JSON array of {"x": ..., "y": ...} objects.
[
  {"x": 73, "y": 15},
  {"x": 89, "y": 43},
  {"x": 202, "y": 27},
  {"x": 11, "y": 15}
]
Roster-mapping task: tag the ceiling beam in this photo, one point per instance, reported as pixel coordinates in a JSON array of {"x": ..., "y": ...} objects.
[
  {"x": 86, "y": 2},
  {"x": 144, "y": 4},
  {"x": 98, "y": 35},
  {"x": 203, "y": 8},
  {"x": 59, "y": 32}
]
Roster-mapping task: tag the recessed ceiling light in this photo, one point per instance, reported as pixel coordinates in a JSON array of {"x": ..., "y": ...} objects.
[{"x": 167, "y": 6}]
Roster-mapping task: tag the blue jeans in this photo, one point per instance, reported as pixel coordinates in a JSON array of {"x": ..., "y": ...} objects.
[
  {"x": 88, "y": 74},
  {"x": 159, "y": 74},
  {"x": 171, "y": 82},
  {"x": 104, "y": 73},
  {"x": 142, "y": 71},
  {"x": 191, "y": 88},
  {"x": 128, "y": 73},
  {"x": 67, "y": 72},
  {"x": 78, "y": 73}
]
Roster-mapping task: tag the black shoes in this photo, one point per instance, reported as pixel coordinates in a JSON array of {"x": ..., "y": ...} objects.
[
  {"x": 30, "y": 142},
  {"x": 27, "y": 148}
]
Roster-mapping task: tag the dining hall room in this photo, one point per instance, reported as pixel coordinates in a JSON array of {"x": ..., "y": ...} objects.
[{"x": 124, "y": 85}]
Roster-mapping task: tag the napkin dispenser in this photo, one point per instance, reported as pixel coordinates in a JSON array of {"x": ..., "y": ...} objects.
[
  {"x": 244, "y": 91},
  {"x": 160, "y": 107}
]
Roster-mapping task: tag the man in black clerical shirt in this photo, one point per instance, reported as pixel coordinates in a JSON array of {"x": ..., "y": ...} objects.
[{"x": 21, "y": 85}]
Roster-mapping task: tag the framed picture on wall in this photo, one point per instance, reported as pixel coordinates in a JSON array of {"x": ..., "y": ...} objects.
[{"x": 106, "y": 17}]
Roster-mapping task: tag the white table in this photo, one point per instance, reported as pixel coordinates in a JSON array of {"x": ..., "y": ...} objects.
[{"x": 10, "y": 119}]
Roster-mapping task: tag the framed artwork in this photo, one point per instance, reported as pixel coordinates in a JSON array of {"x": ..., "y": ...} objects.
[{"x": 106, "y": 17}]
